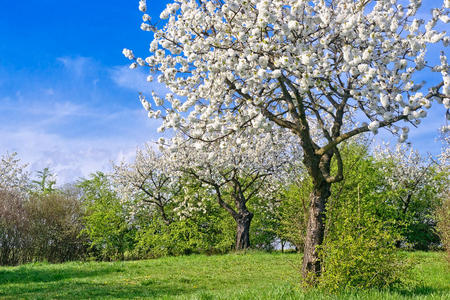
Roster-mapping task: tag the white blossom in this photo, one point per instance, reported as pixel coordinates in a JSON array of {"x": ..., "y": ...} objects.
[
  {"x": 128, "y": 53},
  {"x": 143, "y": 5},
  {"x": 229, "y": 67},
  {"x": 13, "y": 174}
]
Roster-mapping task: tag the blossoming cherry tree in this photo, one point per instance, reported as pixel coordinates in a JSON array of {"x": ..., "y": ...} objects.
[{"x": 344, "y": 67}]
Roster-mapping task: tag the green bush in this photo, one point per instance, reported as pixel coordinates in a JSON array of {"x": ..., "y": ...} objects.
[
  {"x": 359, "y": 248},
  {"x": 362, "y": 255},
  {"x": 209, "y": 231},
  {"x": 105, "y": 220},
  {"x": 263, "y": 230},
  {"x": 293, "y": 213},
  {"x": 443, "y": 216}
]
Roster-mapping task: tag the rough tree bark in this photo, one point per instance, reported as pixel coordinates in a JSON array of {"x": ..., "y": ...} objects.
[
  {"x": 319, "y": 167},
  {"x": 315, "y": 230},
  {"x": 243, "y": 221},
  {"x": 243, "y": 217}
]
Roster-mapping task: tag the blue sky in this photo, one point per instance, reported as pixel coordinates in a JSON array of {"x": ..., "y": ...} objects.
[{"x": 67, "y": 98}]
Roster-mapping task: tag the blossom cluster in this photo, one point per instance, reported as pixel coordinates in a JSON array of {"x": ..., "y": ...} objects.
[{"x": 264, "y": 160}]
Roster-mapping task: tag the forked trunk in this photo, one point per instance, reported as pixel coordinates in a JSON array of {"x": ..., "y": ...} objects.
[
  {"x": 243, "y": 230},
  {"x": 315, "y": 231}
]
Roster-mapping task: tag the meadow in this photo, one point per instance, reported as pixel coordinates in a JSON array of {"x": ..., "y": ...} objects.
[{"x": 251, "y": 275}]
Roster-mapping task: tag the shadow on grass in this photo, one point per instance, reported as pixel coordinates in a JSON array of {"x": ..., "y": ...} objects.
[
  {"x": 67, "y": 282},
  {"x": 28, "y": 274},
  {"x": 421, "y": 290},
  {"x": 413, "y": 292},
  {"x": 84, "y": 290}
]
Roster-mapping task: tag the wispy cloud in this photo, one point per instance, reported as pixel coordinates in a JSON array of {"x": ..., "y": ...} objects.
[
  {"x": 77, "y": 65},
  {"x": 68, "y": 158},
  {"x": 135, "y": 79},
  {"x": 60, "y": 123},
  {"x": 72, "y": 156}
]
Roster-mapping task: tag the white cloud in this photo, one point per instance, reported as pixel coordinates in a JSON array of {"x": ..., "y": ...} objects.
[
  {"x": 72, "y": 120},
  {"x": 73, "y": 157},
  {"x": 135, "y": 80},
  {"x": 38, "y": 131},
  {"x": 77, "y": 65}
]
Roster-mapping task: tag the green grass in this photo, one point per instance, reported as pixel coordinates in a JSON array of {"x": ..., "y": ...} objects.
[{"x": 254, "y": 275}]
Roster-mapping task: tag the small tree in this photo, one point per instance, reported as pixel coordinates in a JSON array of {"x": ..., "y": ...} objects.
[
  {"x": 237, "y": 169},
  {"x": 13, "y": 175},
  {"x": 14, "y": 222},
  {"x": 344, "y": 67},
  {"x": 148, "y": 183},
  {"x": 45, "y": 182},
  {"x": 413, "y": 188},
  {"x": 15, "y": 242}
]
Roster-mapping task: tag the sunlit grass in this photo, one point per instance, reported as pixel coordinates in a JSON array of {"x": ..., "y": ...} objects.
[{"x": 254, "y": 275}]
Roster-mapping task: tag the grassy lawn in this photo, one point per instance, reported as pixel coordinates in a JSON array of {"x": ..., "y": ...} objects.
[{"x": 253, "y": 275}]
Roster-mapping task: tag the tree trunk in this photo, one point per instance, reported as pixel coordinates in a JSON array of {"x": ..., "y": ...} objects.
[
  {"x": 243, "y": 221},
  {"x": 315, "y": 230}
]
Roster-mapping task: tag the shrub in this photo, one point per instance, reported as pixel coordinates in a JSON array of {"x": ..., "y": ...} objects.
[
  {"x": 209, "y": 231},
  {"x": 265, "y": 222},
  {"x": 55, "y": 226},
  {"x": 359, "y": 248},
  {"x": 443, "y": 216},
  {"x": 362, "y": 255},
  {"x": 293, "y": 213},
  {"x": 15, "y": 241}
]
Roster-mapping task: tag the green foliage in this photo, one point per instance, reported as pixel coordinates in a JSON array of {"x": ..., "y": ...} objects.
[
  {"x": 363, "y": 256},
  {"x": 105, "y": 219},
  {"x": 443, "y": 217},
  {"x": 359, "y": 246},
  {"x": 263, "y": 229},
  {"x": 293, "y": 213},
  {"x": 45, "y": 183},
  {"x": 204, "y": 229},
  {"x": 417, "y": 219},
  {"x": 414, "y": 198}
]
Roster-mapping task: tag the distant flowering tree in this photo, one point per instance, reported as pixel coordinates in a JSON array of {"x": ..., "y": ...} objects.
[
  {"x": 444, "y": 156},
  {"x": 237, "y": 169},
  {"x": 406, "y": 172},
  {"x": 343, "y": 66},
  {"x": 13, "y": 175},
  {"x": 414, "y": 188},
  {"x": 147, "y": 182}
]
